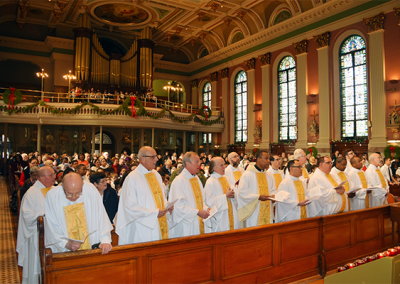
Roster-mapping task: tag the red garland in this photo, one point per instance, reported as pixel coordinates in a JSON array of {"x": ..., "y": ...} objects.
[
  {"x": 206, "y": 112},
  {"x": 133, "y": 109},
  {"x": 11, "y": 99},
  {"x": 310, "y": 149},
  {"x": 393, "y": 150}
]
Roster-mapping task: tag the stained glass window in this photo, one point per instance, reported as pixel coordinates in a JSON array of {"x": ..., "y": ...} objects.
[
  {"x": 207, "y": 94},
  {"x": 287, "y": 99},
  {"x": 205, "y": 138},
  {"x": 241, "y": 107},
  {"x": 353, "y": 88}
]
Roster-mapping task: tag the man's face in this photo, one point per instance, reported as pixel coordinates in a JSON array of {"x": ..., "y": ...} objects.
[
  {"x": 34, "y": 177},
  {"x": 149, "y": 159},
  {"x": 25, "y": 158},
  {"x": 106, "y": 155},
  {"x": 193, "y": 167},
  {"x": 48, "y": 179},
  {"x": 296, "y": 169},
  {"x": 350, "y": 155},
  {"x": 276, "y": 163},
  {"x": 358, "y": 164},
  {"x": 263, "y": 161},
  {"x": 342, "y": 165},
  {"x": 102, "y": 185},
  {"x": 376, "y": 160},
  {"x": 74, "y": 165},
  {"x": 234, "y": 160},
  {"x": 81, "y": 171},
  {"x": 33, "y": 163},
  {"x": 387, "y": 162},
  {"x": 219, "y": 167},
  {"x": 326, "y": 166},
  {"x": 302, "y": 158},
  {"x": 72, "y": 190}
]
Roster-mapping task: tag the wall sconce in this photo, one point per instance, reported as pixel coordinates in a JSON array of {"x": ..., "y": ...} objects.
[
  {"x": 393, "y": 81},
  {"x": 313, "y": 95}
]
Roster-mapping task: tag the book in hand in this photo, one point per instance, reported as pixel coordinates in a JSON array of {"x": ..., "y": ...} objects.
[
  {"x": 213, "y": 211},
  {"x": 78, "y": 241},
  {"x": 170, "y": 204},
  {"x": 341, "y": 184},
  {"x": 354, "y": 190}
]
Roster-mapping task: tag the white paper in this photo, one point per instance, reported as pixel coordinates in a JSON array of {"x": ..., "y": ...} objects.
[
  {"x": 314, "y": 193},
  {"x": 78, "y": 241},
  {"x": 341, "y": 184},
  {"x": 354, "y": 190},
  {"x": 280, "y": 196},
  {"x": 213, "y": 211},
  {"x": 170, "y": 204}
]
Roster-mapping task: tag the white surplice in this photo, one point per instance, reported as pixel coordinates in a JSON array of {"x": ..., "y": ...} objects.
[
  {"x": 348, "y": 167},
  {"x": 288, "y": 209},
  {"x": 32, "y": 206},
  {"x": 229, "y": 174},
  {"x": 335, "y": 173},
  {"x": 96, "y": 217},
  {"x": 247, "y": 196},
  {"x": 358, "y": 201},
  {"x": 328, "y": 203},
  {"x": 378, "y": 196},
  {"x": 186, "y": 221},
  {"x": 214, "y": 196},
  {"x": 137, "y": 210}
]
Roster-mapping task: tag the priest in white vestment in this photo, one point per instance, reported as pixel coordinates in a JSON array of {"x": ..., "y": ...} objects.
[
  {"x": 274, "y": 170},
  {"x": 142, "y": 216},
  {"x": 293, "y": 207},
  {"x": 300, "y": 155},
  {"x": 331, "y": 200},
  {"x": 219, "y": 193},
  {"x": 256, "y": 187},
  {"x": 75, "y": 211},
  {"x": 190, "y": 209},
  {"x": 375, "y": 178},
  {"x": 32, "y": 206},
  {"x": 348, "y": 154},
  {"x": 233, "y": 172},
  {"x": 338, "y": 173},
  {"x": 357, "y": 178}
]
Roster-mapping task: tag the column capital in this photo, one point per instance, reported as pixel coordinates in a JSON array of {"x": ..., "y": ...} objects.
[
  {"x": 224, "y": 73},
  {"x": 397, "y": 13},
  {"x": 322, "y": 40},
  {"x": 301, "y": 46},
  {"x": 213, "y": 77},
  {"x": 375, "y": 23},
  {"x": 265, "y": 59},
  {"x": 194, "y": 83},
  {"x": 250, "y": 64}
]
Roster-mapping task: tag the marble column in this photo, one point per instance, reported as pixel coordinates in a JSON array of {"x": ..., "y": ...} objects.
[
  {"x": 251, "y": 100},
  {"x": 266, "y": 99},
  {"x": 101, "y": 140},
  {"x": 224, "y": 73},
  {"x": 39, "y": 137},
  {"x": 152, "y": 137},
  {"x": 93, "y": 139}
]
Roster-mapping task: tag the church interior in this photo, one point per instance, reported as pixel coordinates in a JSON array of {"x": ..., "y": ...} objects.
[{"x": 213, "y": 77}]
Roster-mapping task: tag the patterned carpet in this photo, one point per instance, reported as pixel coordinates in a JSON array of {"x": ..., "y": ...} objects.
[{"x": 8, "y": 256}]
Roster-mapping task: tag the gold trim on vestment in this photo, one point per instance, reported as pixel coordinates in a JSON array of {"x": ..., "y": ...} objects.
[
  {"x": 364, "y": 183},
  {"x": 305, "y": 173},
  {"x": 158, "y": 198},
  {"x": 237, "y": 175},
  {"x": 335, "y": 184},
  {"x": 225, "y": 187},
  {"x": 76, "y": 223},
  {"x": 278, "y": 180},
  {"x": 46, "y": 190},
  {"x": 264, "y": 216},
  {"x": 347, "y": 188},
  {"x": 301, "y": 196},
  {"x": 194, "y": 182},
  {"x": 383, "y": 182}
]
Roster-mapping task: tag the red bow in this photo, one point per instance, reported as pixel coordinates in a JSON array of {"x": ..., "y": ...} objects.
[
  {"x": 11, "y": 99},
  {"x": 310, "y": 150},
  {"x": 392, "y": 149},
  {"x": 133, "y": 109},
  {"x": 206, "y": 112}
]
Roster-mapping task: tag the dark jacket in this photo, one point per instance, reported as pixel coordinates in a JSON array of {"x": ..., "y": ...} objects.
[{"x": 110, "y": 201}]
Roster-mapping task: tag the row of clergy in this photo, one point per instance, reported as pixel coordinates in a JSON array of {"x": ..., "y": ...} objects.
[{"x": 75, "y": 218}]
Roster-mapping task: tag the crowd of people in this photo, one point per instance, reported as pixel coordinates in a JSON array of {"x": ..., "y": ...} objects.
[{"x": 151, "y": 197}]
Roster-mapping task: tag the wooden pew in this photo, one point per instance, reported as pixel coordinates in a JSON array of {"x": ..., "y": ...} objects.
[{"x": 281, "y": 252}]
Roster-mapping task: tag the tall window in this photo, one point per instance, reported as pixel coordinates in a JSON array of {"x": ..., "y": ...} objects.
[
  {"x": 207, "y": 94},
  {"x": 353, "y": 88},
  {"x": 205, "y": 138},
  {"x": 287, "y": 99},
  {"x": 241, "y": 107}
]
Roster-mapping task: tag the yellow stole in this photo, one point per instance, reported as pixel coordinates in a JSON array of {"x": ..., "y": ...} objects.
[
  {"x": 237, "y": 175},
  {"x": 347, "y": 188},
  {"x": 225, "y": 187},
  {"x": 301, "y": 196},
  {"x": 199, "y": 200},
  {"x": 158, "y": 198},
  {"x": 264, "y": 217},
  {"x": 278, "y": 180},
  {"x": 383, "y": 181},
  {"x": 76, "y": 222},
  {"x": 305, "y": 174},
  {"x": 46, "y": 190},
  {"x": 364, "y": 185},
  {"x": 335, "y": 184}
]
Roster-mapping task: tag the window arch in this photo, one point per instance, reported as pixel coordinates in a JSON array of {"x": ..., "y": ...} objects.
[
  {"x": 207, "y": 94},
  {"x": 353, "y": 87},
  {"x": 241, "y": 107},
  {"x": 287, "y": 99}
]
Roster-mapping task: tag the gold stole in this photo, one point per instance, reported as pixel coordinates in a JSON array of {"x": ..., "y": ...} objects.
[
  {"x": 335, "y": 184},
  {"x": 199, "y": 200},
  {"x": 305, "y": 174},
  {"x": 46, "y": 190},
  {"x": 237, "y": 175},
  {"x": 364, "y": 185},
  {"x": 383, "y": 181},
  {"x": 301, "y": 196},
  {"x": 225, "y": 187},
  {"x": 264, "y": 216},
  {"x": 278, "y": 179},
  {"x": 159, "y": 201},
  {"x": 347, "y": 188},
  {"x": 76, "y": 222}
]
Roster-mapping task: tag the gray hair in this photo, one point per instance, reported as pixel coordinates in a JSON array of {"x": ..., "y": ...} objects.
[
  {"x": 231, "y": 154},
  {"x": 187, "y": 158},
  {"x": 297, "y": 153},
  {"x": 34, "y": 169}
]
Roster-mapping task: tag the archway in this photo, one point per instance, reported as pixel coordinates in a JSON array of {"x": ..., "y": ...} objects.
[{"x": 108, "y": 143}]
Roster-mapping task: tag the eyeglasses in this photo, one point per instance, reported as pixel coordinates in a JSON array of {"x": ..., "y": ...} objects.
[
  {"x": 328, "y": 163},
  {"x": 152, "y": 157},
  {"x": 69, "y": 195}
]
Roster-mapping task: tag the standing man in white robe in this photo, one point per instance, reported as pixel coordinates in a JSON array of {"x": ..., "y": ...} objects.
[
  {"x": 220, "y": 195},
  {"x": 73, "y": 191},
  {"x": 338, "y": 173},
  {"x": 358, "y": 180},
  {"x": 300, "y": 155},
  {"x": 294, "y": 207},
  {"x": 190, "y": 209},
  {"x": 233, "y": 172},
  {"x": 142, "y": 216},
  {"x": 331, "y": 201},
  {"x": 274, "y": 169},
  {"x": 256, "y": 187},
  {"x": 32, "y": 206},
  {"x": 375, "y": 178},
  {"x": 348, "y": 154}
]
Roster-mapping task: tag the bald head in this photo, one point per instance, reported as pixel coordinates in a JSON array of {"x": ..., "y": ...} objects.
[
  {"x": 72, "y": 185},
  {"x": 217, "y": 165},
  {"x": 148, "y": 157},
  {"x": 234, "y": 159},
  {"x": 375, "y": 159},
  {"x": 46, "y": 176}
]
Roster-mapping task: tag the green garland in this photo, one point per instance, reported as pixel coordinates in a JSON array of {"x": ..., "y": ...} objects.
[
  {"x": 17, "y": 94},
  {"x": 202, "y": 111},
  {"x": 22, "y": 110},
  {"x": 388, "y": 152},
  {"x": 255, "y": 150},
  {"x": 313, "y": 151}
]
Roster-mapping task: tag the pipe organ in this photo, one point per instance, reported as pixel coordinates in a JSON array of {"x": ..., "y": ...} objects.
[{"x": 93, "y": 66}]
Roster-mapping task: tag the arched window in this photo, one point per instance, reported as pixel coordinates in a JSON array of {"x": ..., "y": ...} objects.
[
  {"x": 353, "y": 88},
  {"x": 207, "y": 94},
  {"x": 106, "y": 139},
  {"x": 287, "y": 99},
  {"x": 241, "y": 107}
]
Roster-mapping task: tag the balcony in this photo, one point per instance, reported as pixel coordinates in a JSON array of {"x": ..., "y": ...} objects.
[{"x": 48, "y": 108}]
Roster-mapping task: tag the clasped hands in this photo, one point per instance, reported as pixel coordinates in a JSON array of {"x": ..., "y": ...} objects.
[
  {"x": 74, "y": 246},
  {"x": 161, "y": 213}
]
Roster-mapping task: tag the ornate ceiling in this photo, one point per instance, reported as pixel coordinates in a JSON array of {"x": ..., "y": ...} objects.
[{"x": 183, "y": 30}]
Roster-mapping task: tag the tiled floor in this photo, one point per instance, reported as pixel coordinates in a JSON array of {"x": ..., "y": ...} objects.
[{"x": 8, "y": 256}]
